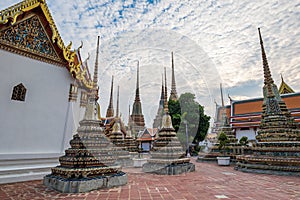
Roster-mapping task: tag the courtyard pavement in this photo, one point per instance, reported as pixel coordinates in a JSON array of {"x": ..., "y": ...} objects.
[{"x": 209, "y": 181}]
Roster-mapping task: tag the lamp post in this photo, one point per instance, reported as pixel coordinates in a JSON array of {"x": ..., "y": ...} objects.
[{"x": 187, "y": 139}]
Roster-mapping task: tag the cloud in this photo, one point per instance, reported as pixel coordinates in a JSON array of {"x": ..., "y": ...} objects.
[{"x": 213, "y": 41}]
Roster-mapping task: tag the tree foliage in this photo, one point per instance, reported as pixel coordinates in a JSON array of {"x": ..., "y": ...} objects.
[
  {"x": 223, "y": 141},
  {"x": 175, "y": 112},
  {"x": 244, "y": 141},
  {"x": 186, "y": 109}
]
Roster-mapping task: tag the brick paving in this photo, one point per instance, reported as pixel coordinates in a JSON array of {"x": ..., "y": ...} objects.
[{"x": 209, "y": 181}]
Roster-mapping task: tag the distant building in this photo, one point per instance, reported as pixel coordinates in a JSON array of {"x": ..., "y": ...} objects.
[
  {"x": 146, "y": 138},
  {"x": 245, "y": 115}
]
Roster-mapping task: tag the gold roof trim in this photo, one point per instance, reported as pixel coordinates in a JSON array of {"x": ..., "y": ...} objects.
[
  {"x": 284, "y": 88},
  {"x": 14, "y": 11}
]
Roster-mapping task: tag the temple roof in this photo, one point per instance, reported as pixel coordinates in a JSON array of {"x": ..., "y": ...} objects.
[
  {"x": 247, "y": 113},
  {"x": 148, "y": 134},
  {"x": 284, "y": 88},
  {"x": 42, "y": 40},
  {"x": 254, "y": 106}
]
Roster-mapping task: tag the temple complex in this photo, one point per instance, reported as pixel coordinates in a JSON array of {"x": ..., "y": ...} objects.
[
  {"x": 173, "y": 95},
  {"x": 40, "y": 75},
  {"x": 278, "y": 146},
  {"x": 89, "y": 163},
  {"x": 137, "y": 122},
  {"x": 167, "y": 154},
  {"x": 245, "y": 115}
]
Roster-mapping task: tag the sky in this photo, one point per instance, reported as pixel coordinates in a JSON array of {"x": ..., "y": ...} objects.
[{"x": 213, "y": 42}]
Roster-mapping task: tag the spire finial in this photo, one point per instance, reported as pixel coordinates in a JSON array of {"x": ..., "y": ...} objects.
[
  {"x": 137, "y": 91},
  {"x": 268, "y": 81},
  {"x": 110, "y": 109},
  {"x": 166, "y": 95},
  {"x": 222, "y": 99},
  {"x": 95, "y": 78},
  {"x": 129, "y": 118},
  {"x": 93, "y": 107},
  {"x": 128, "y": 114},
  {"x": 162, "y": 96},
  {"x": 173, "y": 95},
  {"x": 117, "y": 112}
]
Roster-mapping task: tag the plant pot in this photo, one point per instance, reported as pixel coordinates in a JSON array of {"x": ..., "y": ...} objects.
[{"x": 224, "y": 161}]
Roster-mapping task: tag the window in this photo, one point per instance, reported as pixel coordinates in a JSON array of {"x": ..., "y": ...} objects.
[{"x": 19, "y": 93}]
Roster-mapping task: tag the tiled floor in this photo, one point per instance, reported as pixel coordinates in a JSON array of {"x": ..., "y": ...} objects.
[{"x": 209, "y": 181}]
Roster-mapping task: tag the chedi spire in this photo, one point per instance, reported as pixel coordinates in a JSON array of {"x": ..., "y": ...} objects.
[
  {"x": 173, "y": 95},
  {"x": 110, "y": 109}
]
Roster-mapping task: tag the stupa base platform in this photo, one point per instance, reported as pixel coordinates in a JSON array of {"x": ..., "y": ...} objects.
[
  {"x": 127, "y": 162},
  {"x": 206, "y": 159},
  {"x": 258, "y": 170},
  {"x": 76, "y": 185},
  {"x": 171, "y": 169},
  {"x": 269, "y": 165}
]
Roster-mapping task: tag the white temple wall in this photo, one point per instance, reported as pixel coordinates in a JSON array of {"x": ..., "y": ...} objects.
[
  {"x": 34, "y": 132},
  {"x": 250, "y": 133}
]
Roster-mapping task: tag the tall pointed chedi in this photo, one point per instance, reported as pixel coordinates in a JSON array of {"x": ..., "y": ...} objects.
[
  {"x": 137, "y": 117},
  {"x": 276, "y": 119},
  {"x": 110, "y": 109},
  {"x": 130, "y": 142},
  {"x": 167, "y": 154},
  {"x": 173, "y": 95},
  {"x": 278, "y": 147},
  {"x": 232, "y": 148},
  {"x": 166, "y": 90},
  {"x": 117, "y": 138},
  {"x": 89, "y": 163},
  {"x": 160, "y": 111},
  {"x": 225, "y": 126}
]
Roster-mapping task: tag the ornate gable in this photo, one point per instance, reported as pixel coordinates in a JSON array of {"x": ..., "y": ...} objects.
[
  {"x": 28, "y": 37},
  {"x": 284, "y": 88},
  {"x": 28, "y": 29}
]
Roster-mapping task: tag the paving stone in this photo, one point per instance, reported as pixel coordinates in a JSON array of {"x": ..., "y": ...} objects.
[{"x": 207, "y": 181}]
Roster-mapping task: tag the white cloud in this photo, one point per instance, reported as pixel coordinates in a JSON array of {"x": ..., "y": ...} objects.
[{"x": 213, "y": 41}]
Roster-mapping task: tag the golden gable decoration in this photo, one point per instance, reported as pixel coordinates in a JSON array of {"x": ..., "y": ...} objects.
[
  {"x": 23, "y": 10},
  {"x": 29, "y": 35}
]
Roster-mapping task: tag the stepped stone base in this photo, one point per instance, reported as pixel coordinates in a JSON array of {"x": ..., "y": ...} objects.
[
  {"x": 263, "y": 171},
  {"x": 84, "y": 184},
  {"x": 139, "y": 162},
  {"x": 206, "y": 159},
  {"x": 127, "y": 162},
  {"x": 163, "y": 169}
]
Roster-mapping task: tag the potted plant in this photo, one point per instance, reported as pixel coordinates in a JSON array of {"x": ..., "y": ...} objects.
[{"x": 223, "y": 148}]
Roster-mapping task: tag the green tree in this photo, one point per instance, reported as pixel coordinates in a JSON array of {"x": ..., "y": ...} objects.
[
  {"x": 186, "y": 109},
  {"x": 175, "y": 112}
]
